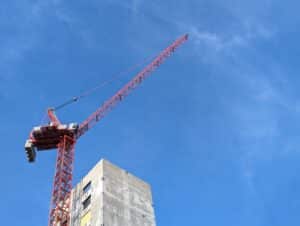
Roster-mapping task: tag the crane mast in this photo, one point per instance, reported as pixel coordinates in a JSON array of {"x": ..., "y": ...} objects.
[{"x": 63, "y": 137}]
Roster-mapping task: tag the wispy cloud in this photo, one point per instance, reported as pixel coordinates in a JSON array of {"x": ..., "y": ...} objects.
[
  {"x": 256, "y": 112},
  {"x": 23, "y": 38},
  {"x": 256, "y": 115},
  {"x": 257, "y": 119},
  {"x": 219, "y": 41},
  {"x": 132, "y": 5},
  {"x": 21, "y": 35},
  {"x": 25, "y": 30}
]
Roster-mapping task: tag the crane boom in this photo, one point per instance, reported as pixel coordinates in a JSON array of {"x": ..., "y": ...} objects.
[{"x": 123, "y": 92}]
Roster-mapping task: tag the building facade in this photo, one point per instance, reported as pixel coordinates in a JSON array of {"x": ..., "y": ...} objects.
[{"x": 110, "y": 196}]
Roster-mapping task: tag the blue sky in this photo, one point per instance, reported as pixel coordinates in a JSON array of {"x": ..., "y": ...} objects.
[{"x": 214, "y": 130}]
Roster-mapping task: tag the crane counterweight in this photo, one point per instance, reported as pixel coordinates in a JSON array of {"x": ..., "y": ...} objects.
[
  {"x": 48, "y": 136},
  {"x": 30, "y": 151}
]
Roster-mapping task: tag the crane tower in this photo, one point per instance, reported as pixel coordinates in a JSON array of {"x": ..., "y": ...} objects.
[{"x": 62, "y": 137}]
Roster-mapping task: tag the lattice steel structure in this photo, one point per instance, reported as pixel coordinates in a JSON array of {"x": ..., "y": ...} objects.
[{"x": 63, "y": 138}]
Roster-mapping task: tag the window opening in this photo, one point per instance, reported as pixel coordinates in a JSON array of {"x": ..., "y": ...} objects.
[
  {"x": 87, "y": 187},
  {"x": 86, "y": 202}
]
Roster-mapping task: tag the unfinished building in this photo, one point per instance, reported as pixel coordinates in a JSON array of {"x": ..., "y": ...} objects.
[{"x": 110, "y": 196}]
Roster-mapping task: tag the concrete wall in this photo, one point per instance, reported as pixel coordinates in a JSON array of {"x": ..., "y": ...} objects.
[{"x": 117, "y": 199}]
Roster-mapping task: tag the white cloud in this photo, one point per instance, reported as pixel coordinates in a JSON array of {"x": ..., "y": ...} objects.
[
  {"x": 26, "y": 33},
  {"x": 24, "y": 37},
  {"x": 219, "y": 42},
  {"x": 207, "y": 38},
  {"x": 258, "y": 121},
  {"x": 255, "y": 117},
  {"x": 256, "y": 114},
  {"x": 132, "y": 5}
]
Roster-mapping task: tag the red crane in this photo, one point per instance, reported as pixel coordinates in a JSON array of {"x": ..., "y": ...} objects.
[{"x": 63, "y": 137}]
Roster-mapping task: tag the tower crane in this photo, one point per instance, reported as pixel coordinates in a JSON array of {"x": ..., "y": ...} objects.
[{"x": 63, "y": 137}]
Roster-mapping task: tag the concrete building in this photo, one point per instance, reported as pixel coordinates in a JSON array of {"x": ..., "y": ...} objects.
[{"x": 110, "y": 196}]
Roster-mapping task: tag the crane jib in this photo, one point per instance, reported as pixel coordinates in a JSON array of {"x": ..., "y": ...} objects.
[{"x": 123, "y": 92}]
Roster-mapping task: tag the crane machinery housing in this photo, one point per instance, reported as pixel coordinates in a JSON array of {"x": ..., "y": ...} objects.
[{"x": 63, "y": 137}]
